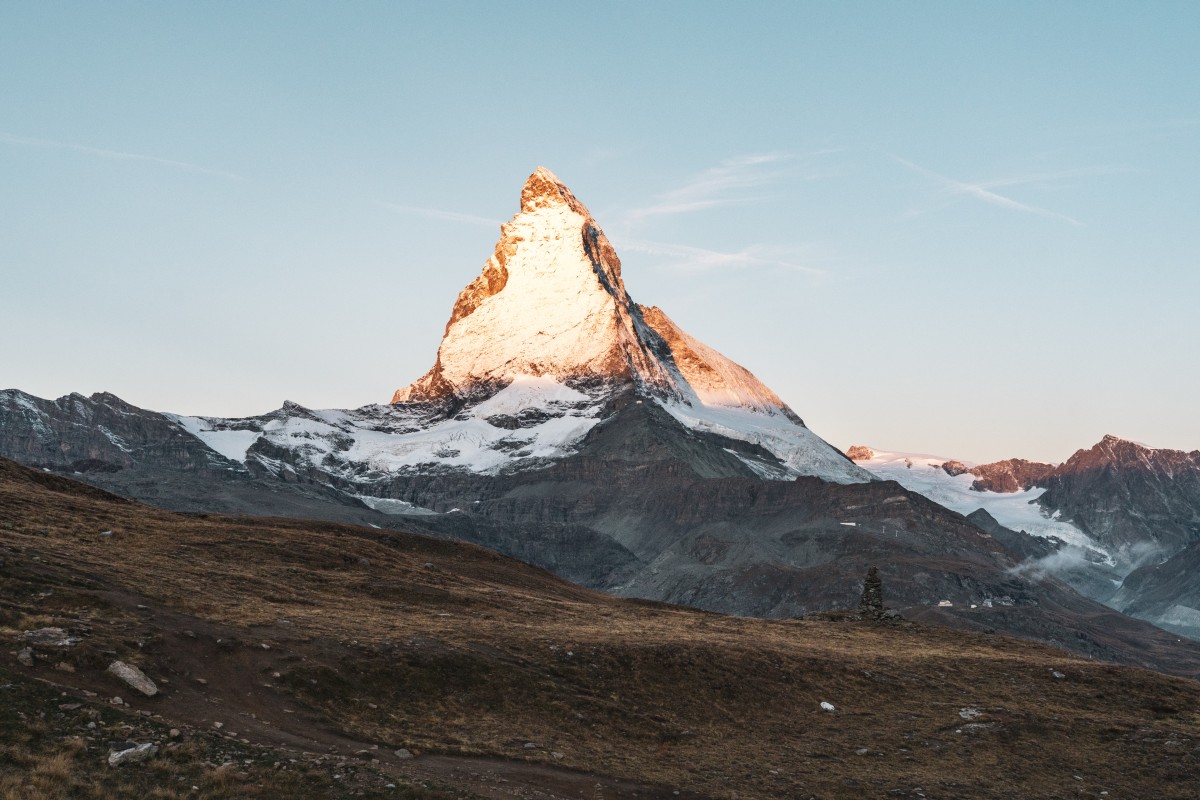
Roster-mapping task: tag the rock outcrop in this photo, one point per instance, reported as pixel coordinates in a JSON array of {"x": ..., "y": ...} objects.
[
  {"x": 858, "y": 452},
  {"x": 1010, "y": 475}
]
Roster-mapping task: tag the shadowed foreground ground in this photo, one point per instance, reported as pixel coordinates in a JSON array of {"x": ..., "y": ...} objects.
[{"x": 323, "y": 649}]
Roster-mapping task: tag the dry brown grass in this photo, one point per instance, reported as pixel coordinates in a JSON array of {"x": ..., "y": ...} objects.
[{"x": 447, "y": 648}]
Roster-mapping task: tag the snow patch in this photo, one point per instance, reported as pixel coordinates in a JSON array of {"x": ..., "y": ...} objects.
[
  {"x": 550, "y": 419},
  {"x": 801, "y": 451},
  {"x": 230, "y": 443}
]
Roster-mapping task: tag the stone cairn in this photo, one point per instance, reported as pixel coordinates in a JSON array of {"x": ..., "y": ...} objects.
[{"x": 872, "y": 595}]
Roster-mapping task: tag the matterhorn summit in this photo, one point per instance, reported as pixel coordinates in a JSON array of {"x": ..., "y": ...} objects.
[{"x": 549, "y": 322}]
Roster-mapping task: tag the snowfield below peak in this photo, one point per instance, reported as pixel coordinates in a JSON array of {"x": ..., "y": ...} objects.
[
  {"x": 524, "y": 425},
  {"x": 1018, "y": 511}
]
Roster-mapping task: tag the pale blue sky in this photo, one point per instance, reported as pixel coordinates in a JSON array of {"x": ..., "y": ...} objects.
[{"x": 969, "y": 229}]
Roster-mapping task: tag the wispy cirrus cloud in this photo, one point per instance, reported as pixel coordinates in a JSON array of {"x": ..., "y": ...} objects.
[
  {"x": 985, "y": 190},
  {"x": 119, "y": 155},
  {"x": 724, "y": 184},
  {"x": 699, "y": 259},
  {"x": 437, "y": 213}
]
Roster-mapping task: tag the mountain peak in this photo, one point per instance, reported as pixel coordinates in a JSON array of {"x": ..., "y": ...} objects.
[
  {"x": 543, "y": 189},
  {"x": 549, "y": 302}
]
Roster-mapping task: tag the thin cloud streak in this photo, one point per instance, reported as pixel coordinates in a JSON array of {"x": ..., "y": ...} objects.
[
  {"x": 713, "y": 186},
  {"x": 701, "y": 259},
  {"x": 448, "y": 216},
  {"x": 983, "y": 190},
  {"x": 120, "y": 155}
]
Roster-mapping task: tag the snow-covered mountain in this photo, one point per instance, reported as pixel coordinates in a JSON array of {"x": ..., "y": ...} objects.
[
  {"x": 543, "y": 346},
  {"x": 566, "y": 425},
  {"x": 547, "y": 334}
]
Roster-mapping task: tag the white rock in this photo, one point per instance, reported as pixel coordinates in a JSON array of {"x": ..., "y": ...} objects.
[
  {"x": 134, "y": 677},
  {"x": 50, "y": 637},
  {"x": 828, "y": 706},
  {"x": 139, "y": 753}
]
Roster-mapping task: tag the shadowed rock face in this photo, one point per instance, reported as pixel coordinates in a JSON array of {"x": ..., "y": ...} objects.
[
  {"x": 1166, "y": 594},
  {"x": 1128, "y": 495},
  {"x": 101, "y": 433}
]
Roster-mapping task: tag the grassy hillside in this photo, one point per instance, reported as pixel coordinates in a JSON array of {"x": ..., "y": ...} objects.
[{"x": 323, "y": 649}]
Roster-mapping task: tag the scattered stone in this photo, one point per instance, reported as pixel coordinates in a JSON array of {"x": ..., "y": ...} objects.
[
  {"x": 218, "y": 725},
  {"x": 862, "y": 751},
  {"x": 531, "y": 746},
  {"x": 201, "y": 681},
  {"x": 69, "y": 706},
  {"x": 828, "y": 706},
  {"x": 117, "y": 701},
  {"x": 63, "y": 666},
  {"x": 139, "y": 752},
  {"x": 26, "y": 657},
  {"x": 403, "y": 753},
  {"x": 174, "y": 733},
  {"x": 134, "y": 677},
  {"x": 105, "y": 534},
  {"x": 1057, "y": 675},
  {"x": 969, "y": 712},
  {"x": 49, "y": 637},
  {"x": 557, "y": 755}
]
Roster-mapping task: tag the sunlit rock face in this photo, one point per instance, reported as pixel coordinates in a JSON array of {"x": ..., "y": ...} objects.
[{"x": 550, "y": 308}]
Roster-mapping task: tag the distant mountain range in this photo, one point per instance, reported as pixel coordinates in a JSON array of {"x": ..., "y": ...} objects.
[
  {"x": 566, "y": 425},
  {"x": 1119, "y": 521}
]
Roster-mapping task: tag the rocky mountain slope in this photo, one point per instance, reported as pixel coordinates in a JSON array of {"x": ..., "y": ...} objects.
[{"x": 307, "y": 659}]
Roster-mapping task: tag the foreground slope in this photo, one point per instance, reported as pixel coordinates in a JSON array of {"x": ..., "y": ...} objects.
[{"x": 313, "y": 644}]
